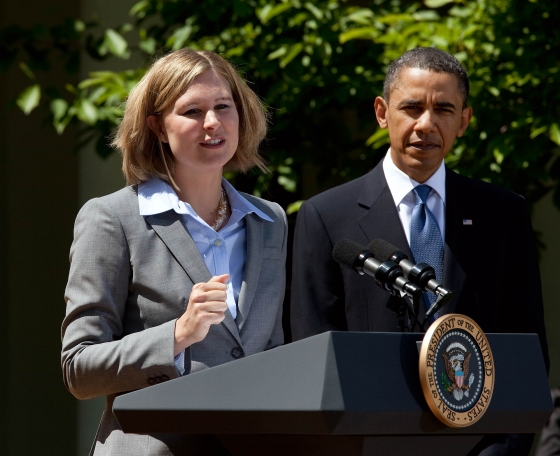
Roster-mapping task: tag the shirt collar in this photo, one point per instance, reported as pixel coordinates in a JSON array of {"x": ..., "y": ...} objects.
[
  {"x": 400, "y": 184},
  {"x": 156, "y": 196}
]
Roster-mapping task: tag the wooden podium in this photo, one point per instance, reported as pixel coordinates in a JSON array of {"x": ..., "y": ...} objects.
[{"x": 338, "y": 393}]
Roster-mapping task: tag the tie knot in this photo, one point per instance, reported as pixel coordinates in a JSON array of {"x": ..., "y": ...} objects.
[{"x": 422, "y": 192}]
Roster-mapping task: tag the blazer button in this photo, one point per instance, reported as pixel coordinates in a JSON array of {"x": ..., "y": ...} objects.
[
  {"x": 237, "y": 352},
  {"x": 151, "y": 381},
  {"x": 164, "y": 378},
  {"x": 158, "y": 379}
]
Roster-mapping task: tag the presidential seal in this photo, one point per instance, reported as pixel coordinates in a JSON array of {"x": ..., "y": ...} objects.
[{"x": 456, "y": 370}]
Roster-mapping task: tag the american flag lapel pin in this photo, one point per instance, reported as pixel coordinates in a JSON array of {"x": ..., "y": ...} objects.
[{"x": 467, "y": 222}]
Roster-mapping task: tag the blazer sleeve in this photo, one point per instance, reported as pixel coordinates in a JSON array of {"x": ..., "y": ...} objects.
[
  {"x": 98, "y": 358},
  {"x": 317, "y": 299},
  {"x": 277, "y": 336}
]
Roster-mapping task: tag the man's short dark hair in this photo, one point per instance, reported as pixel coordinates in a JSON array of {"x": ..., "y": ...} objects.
[{"x": 431, "y": 59}]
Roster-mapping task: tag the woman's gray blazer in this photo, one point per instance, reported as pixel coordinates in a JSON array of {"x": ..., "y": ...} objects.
[{"x": 130, "y": 279}]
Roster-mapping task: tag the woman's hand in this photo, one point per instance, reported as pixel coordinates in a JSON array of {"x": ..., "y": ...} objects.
[{"x": 207, "y": 306}]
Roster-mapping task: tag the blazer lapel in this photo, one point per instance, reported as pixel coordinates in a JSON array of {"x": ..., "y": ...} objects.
[
  {"x": 171, "y": 231},
  {"x": 175, "y": 236},
  {"x": 253, "y": 267},
  {"x": 381, "y": 221}
]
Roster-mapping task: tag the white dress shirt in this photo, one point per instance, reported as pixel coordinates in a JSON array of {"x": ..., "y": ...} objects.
[
  {"x": 224, "y": 252},
  {"x": 402, "y": 186}
]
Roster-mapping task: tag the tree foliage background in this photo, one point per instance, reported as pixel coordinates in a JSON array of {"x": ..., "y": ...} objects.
[{"x": 319, "y": 66}]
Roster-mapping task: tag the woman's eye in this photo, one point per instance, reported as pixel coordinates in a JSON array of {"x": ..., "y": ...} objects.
[
  {"x": 192, "y": 112},
  {"x": 222, "y": 106}
]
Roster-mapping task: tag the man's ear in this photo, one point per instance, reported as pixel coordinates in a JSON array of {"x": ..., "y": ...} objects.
[
  {"x": 381, "y": 107},
  {"x": 465, "y": 119},
  {"x": 153, "y": 123}
]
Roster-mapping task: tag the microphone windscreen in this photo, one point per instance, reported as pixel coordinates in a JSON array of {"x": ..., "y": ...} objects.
[
  {"x": 346, "y": 251},
  {"x": 382, "y": 250}
]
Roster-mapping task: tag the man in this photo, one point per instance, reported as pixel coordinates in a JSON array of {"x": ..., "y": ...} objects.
[{"x": 480, "y": 234}]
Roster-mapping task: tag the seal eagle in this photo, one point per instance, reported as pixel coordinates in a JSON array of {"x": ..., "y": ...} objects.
[{"x": 457, "y": 360}]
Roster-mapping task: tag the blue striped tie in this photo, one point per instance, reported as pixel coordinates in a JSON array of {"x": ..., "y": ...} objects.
[{"x": 425, "y": 238}]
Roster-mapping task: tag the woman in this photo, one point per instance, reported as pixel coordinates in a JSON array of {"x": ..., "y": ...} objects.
[{"x": 178, "y": 271}]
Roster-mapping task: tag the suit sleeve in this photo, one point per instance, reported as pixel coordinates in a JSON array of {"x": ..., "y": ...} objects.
[
  {"x": 524, "y": 290},
  {"x": 523, "y": 313},
  {"x": 98, "y": 358},
  {"x": 277, "y": 336},
  {"x": 317, "y": 300}
]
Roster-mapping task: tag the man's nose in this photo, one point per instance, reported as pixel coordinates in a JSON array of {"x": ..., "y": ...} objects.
[
  {"x": 426, "y": 122},
  {"x": 211, "y": 121}
]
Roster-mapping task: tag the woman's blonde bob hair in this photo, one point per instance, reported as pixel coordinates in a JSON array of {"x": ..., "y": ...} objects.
[{"x": 144, "y": 155}]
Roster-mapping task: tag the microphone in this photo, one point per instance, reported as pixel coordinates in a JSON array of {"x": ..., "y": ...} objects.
[
  {"x": 421, "y": 274},
  {"x": 388, "y": 275}
]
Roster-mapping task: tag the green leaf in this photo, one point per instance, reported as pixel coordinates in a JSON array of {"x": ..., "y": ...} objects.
[
  {"x": 115, "y": 43},
  {"x": 79, "y": 26},
  {"x": 298, "y": 19},
  {"x": 87, "y": 112},
  {"x": 437, "y": 3},
  {"x": 461, "y": 56},
  {"x": 469, "y": 44},
  {"x": 460, "y": 12},
  {"x": 269, "y": 11},
  {"x": 427, "y": 15},
  {"x": 287, "y": 183},
  {"x": 498, "y": 156},
  {"x": 29, "y": 99},
  {"x": 362, "y": 16},
  {"x": 536, "y": 132},
  {"x": 71, "y": 89},
  {"x": 125, "y": 28},
  {"x": 59, "y": 107},
  {"x": 294, "y": 207},
  {"x": 361, "y": 33},
  {"x": 440, "y": 42},
  {"x": 292, "y": 54},
  {"x": 277, "y": 53},
  {"x": 236, "y": 51},
  {"x": 554, "y": 133},
  {"x": 378, "y": 139},
  {"x": 180, "y": 37},
  {"x": 263, "y": 13},
  {"x": 25, "y": 68},
  {"x": 139, "y": 9},
  {"x": 325, "y": 50},
  {"x": 496, "y": 168},
  {"x": 148, "y": 45},
  {"x": 318, "y": 13},
  {"x": 494, "y": 91},
  {"x": 394, "y": 18},
  {"x": 61, "y": 126}
]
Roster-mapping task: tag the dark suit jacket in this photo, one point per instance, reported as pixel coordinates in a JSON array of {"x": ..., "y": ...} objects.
[{"x": 491, "y": 265}]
